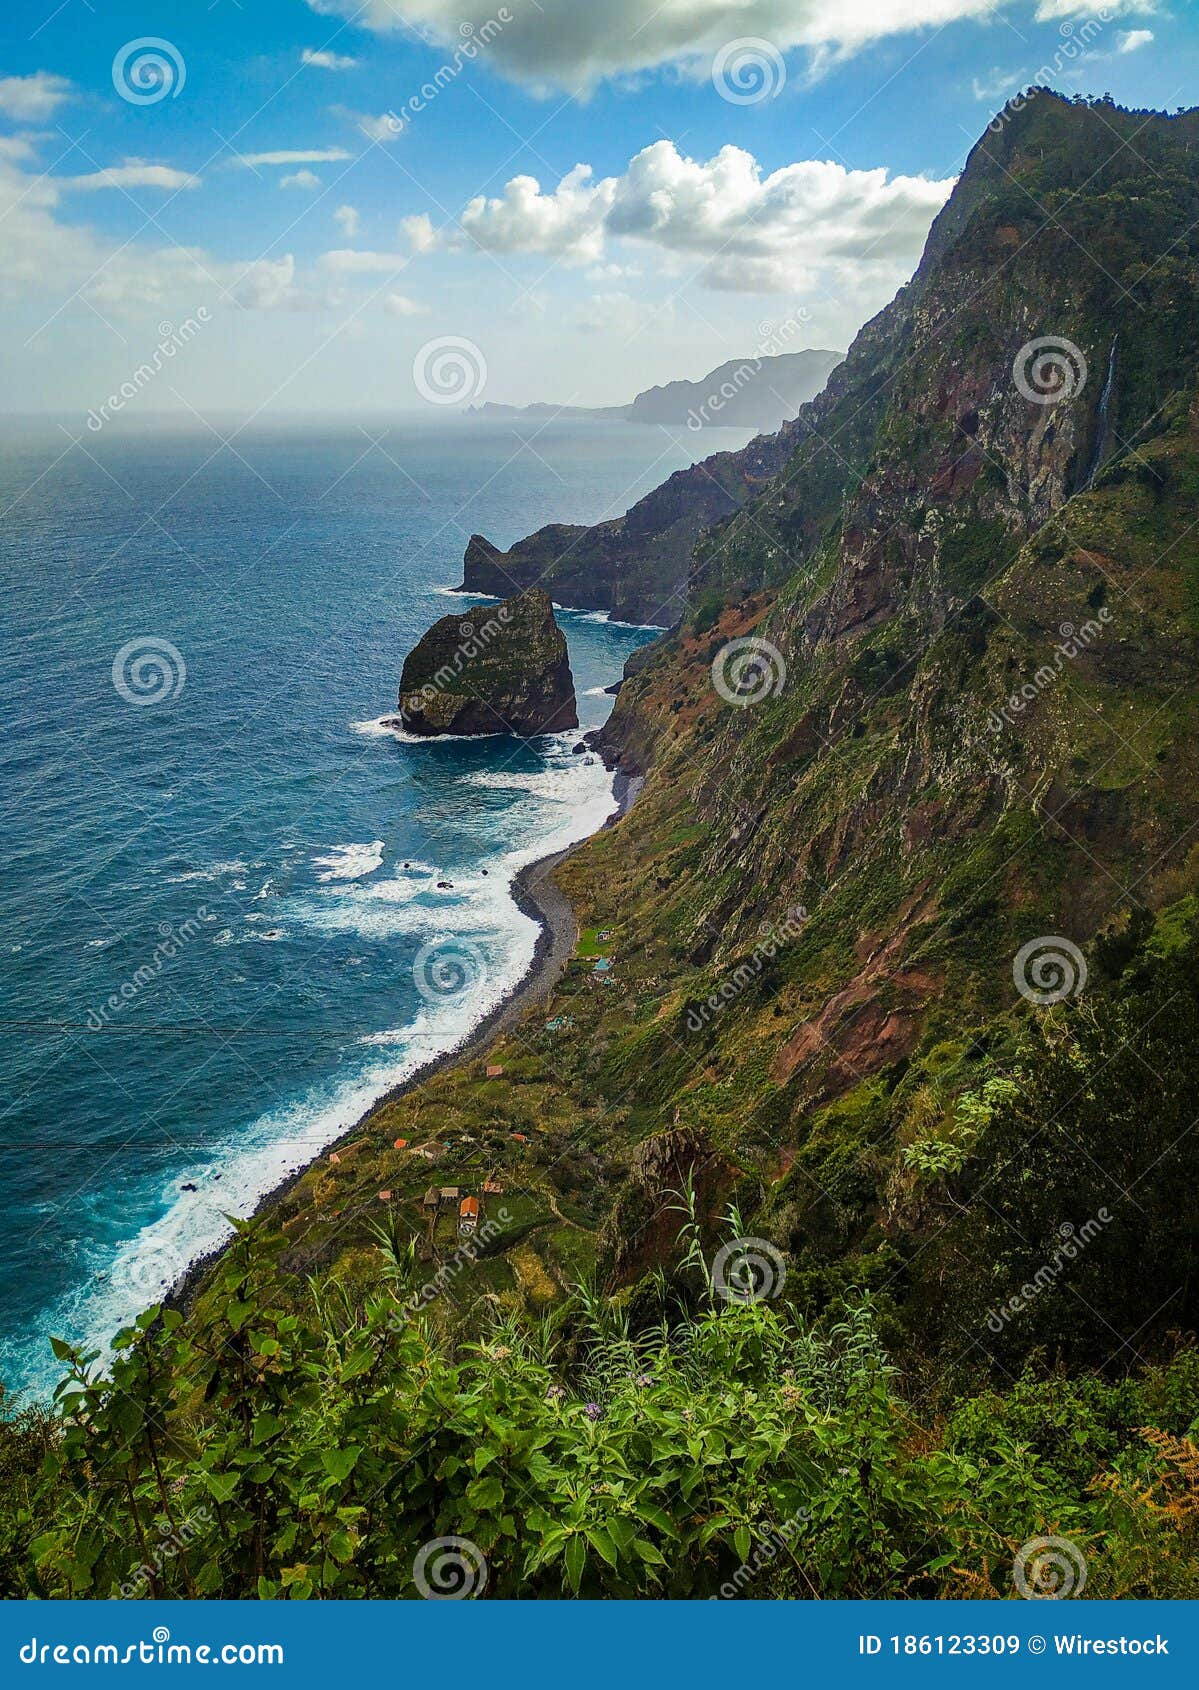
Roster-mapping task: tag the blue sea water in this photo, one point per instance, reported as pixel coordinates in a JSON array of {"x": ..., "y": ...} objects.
[{"x": 220, "y": 920}]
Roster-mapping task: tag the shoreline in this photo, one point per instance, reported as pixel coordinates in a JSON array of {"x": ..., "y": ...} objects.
[
  {"x": 537, "y": 895},
  {"x": 572, "y": 609}
]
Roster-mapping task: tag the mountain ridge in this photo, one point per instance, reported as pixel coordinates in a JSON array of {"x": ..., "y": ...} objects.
[
  {"x": 886, "y": 991},
  {"x": 636, "y": 566},
  {"x": 763, "y": 390}
]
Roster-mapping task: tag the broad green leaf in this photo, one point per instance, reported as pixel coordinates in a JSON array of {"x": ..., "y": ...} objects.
[
  {"x": 340, "y": 1463},
  {"x": 576, "y": 1559},
  {"x": 485, "y": 1495}
]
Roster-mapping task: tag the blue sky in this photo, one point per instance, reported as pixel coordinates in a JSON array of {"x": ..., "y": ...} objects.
[{"x": 750, "y": 168}]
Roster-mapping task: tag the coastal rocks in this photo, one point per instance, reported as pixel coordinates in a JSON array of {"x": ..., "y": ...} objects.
[
  {"x": 501, "y": 669},
  {"x": 634, "y": 567}
]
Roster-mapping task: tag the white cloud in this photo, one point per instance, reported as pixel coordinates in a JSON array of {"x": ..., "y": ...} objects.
[
  {"x": 269, "y": 285},
  {"x": 399, "y": 305},
  {"x": 349, "y": 261},
  {"x": 322, "y": 60},
  {"x": 1049, "y": 11},
  {"x": 619, "y": 314},
  {"x": 327, "y": 155},
  {"x": 38, "y": 254},
  {"x": 51, "y": 262},
  {"x": 568, "y": 223},
  {"x": 131, "y": 174},
  {"x": 562, "y": 43},
  {"x": 995, "y": 84},
  {"x": 419, "y": 231},
  {"x": 611, "y": 272},
  {"x": 1131, "y": 39},
  {"x": 30, "y": 99},
  {"x": 380, "y": 129},
  {"x": 348, "y": 221},
  {"x": 18, "y": 148},
  {"x": 751, "y": 232},
  {"x": 308, "y": 180}
]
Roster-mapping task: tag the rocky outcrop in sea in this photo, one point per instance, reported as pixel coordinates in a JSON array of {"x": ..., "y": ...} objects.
[{"x": 502, "y": 668}]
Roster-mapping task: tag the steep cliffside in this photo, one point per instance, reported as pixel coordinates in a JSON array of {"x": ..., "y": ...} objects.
[
  {"x": 933, "y": 700},
  {"x": 889, "y": 980},
  {"x": 965, "y": 539},
  {"x": 636, "y": 566},
  {"x": 968, "y": 718}
]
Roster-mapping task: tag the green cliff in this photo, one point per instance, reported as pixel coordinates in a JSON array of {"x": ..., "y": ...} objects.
[{"x": 897, "y": 1011}]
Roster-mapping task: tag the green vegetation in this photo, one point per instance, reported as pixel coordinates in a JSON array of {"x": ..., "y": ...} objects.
[
  {"x": 816, "y": 1028},
  {"x": 718, "y": 1450},
  {"x": 306, "y": 1438}
]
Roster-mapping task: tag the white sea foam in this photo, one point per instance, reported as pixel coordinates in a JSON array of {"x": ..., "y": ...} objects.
[
  {"x": 578, "y": 610},
  {"x": 378, "y": 727},
  {"x": 603, "y": 616},
  {"x": 350, "y": 862},
  {"x": 558, "y": 785},
  {"x": 137, "y": 1272},
  {"x": 214, "y": 871},
  {"x": 455, "y": 593},
  {"x": 383, "y": 727}
]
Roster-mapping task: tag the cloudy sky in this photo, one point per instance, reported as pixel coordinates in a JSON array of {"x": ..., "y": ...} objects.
[{"x": 598, "y": 194}]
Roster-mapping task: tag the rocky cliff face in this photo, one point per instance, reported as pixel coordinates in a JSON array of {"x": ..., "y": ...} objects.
[
  {"x": 497, "y": 669},
  {"x": 969, "y": 601},
  {"x": 933, "y": 700},
  {"x": 989, "y": 391},
  {"x": 636, "y": 567}
]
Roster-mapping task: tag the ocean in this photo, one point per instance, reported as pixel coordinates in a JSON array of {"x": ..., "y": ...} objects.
[{"x": 220, "y": 909}]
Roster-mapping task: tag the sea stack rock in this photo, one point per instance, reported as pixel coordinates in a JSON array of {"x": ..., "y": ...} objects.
[{"x": 498, "y": 668}]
